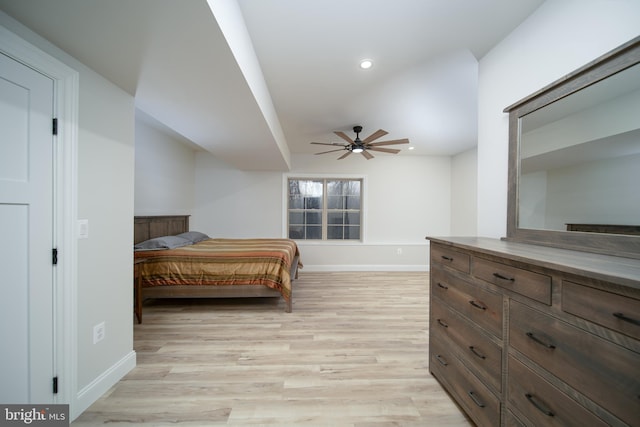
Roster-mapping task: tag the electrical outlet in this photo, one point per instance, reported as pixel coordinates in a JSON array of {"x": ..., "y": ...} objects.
[
  {"x": 98, "y": 333},
  {"x": 399, "y": 251}
]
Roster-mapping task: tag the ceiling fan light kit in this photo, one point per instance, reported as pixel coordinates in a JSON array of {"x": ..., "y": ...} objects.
[{"x": 363, "y": 146}]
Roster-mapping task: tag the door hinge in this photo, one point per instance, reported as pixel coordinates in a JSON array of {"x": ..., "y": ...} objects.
[
  {"x": 55, "y": 385},
  {"x": 55, "y": 126},
  {"x": 54, "y": 256}
]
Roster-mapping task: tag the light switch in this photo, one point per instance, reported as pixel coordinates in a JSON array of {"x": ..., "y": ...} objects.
[{"x": 83, "y": 229}]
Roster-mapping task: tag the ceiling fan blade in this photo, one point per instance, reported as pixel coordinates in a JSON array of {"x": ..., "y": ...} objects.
[
  {"x": 344, "y": 155},
  {"x": 328, "y": 143},
  {"x": 344, "y": 136},
  {"x": 330, "y": 151},
  {"x": 391, "y": 142},
  {"x": 384, "y": 150},
  {"x": 367, "y": 155},
  {"x": 377, "y": 134}
]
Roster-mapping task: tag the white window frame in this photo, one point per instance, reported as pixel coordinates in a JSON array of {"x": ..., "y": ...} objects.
[{"x": 307, "y": 176}]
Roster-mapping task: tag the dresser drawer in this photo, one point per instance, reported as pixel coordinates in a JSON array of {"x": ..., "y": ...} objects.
[
  {"x": 480, "y": 306},
  {"x": 605, "y": 372},
  {"x": 484, "y": 356},
  {"x": 450, "y": 257},
  {"x": 613, "y": 311},
  {"x": 510, "y": 420},
  {"x": 482, "y": 406},
  {"x": 542, "y": 403},
  {"x": 528, "y": 283}
]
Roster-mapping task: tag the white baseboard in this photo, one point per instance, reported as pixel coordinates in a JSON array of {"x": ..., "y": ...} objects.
[
  {"x": 93, "y": 391},
  {"x": 375, "y": 267}
]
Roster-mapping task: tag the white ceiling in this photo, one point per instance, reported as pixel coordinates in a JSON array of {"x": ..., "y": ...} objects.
[{"x": 254, "y": 94}]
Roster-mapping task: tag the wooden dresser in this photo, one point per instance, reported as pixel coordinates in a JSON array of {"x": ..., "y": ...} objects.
[{"x": 530, "y": 335}]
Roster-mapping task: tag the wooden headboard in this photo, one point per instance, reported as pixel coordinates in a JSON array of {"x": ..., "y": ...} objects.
[{"x": 148, "y": 227}]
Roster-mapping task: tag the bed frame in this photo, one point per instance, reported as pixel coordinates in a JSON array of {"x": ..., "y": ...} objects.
[{"x": 148, "y": 227}]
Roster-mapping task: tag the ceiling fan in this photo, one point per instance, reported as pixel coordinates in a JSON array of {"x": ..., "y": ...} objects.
[{"x": 363, "y": 146}]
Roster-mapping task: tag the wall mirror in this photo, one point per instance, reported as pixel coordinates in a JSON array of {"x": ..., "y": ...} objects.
[{"x": 574, "y": 159}]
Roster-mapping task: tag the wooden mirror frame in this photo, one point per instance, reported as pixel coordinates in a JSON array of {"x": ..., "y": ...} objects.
[{"x": 619, "y": 59}]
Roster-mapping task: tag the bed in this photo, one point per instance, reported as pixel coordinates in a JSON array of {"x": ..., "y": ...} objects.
[{"x": 167, "y": 267}]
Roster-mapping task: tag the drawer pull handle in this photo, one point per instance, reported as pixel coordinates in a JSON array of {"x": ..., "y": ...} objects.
[
  {"x": 478, "y": 305},
  {"x": 476, "y": 399},
  {"x": 441, "y": 359},
  {"x": 440, "y": 285},
  {"x": 442, "y": 323},
  {"x": 539, "y": 405},
  {"x": 502, "y": 277},
  {"x": 539, "y": 341},
  {"x": 447, "y": 258},
  {"x": 476, "y": 352},
  {"x": 631, "y": 320}
]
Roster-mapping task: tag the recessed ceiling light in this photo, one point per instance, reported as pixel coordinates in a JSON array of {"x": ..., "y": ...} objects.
[
  {"x": 365, "y": 64},
  {"x": 412, "y": 148}
]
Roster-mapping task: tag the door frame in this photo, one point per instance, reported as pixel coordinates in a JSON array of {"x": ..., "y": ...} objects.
[{"x": 65, "y": 177}]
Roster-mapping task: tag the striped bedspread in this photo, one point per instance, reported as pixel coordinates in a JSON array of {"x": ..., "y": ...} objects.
[{"x": 264, "y": 262}]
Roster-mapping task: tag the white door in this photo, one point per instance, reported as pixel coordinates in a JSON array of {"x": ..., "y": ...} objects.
[{"x": 26, "y": 234}]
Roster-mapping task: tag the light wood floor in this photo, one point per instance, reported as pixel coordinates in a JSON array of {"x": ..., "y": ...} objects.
[{"x": 352, "y": 353}]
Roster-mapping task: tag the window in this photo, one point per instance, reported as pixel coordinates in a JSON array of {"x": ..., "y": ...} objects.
[{"x": 324, "y": 209}]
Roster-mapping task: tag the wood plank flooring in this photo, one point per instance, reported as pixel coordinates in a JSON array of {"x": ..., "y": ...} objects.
[{"x": 352, "y": 353}]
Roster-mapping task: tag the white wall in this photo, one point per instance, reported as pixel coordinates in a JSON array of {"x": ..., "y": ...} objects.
[
  {"x": 105, "y": 198},
  {"x": 605, "y": 191},
  {"x": 234, "y": 203},
  {"x": 104, "y": 269},
  {"x": 557, "y": 38},
  {"x": 406, "y": 198},
  {"x": 164, "y": 170},
  {"x": 464, "y": 193}
]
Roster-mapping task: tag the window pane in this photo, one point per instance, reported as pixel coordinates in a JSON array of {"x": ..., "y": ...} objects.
[
  {"x": 296, "y": 232},
  {"x": 305, "y": 188},
  {"x": 335, "y": 202},
  {"x": 353, "y": 188},
  {"x": 294, "y": 187},
  {"x": 353, "y": 218},
  {"x": 335, "y": 232},
  {"x": 313, "y": 232},
  {"x": 352, "y": 202},
  {"x": 296, "y": 218},
  {"x": 313, "y": 218},
  {"x": 335, "y": 188},
  {"x": 313, "y": 202},
  {"x": 335, "y": 218},
  {"x": 352, "y": 233},
  {"x": 296, "y": 202}
]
